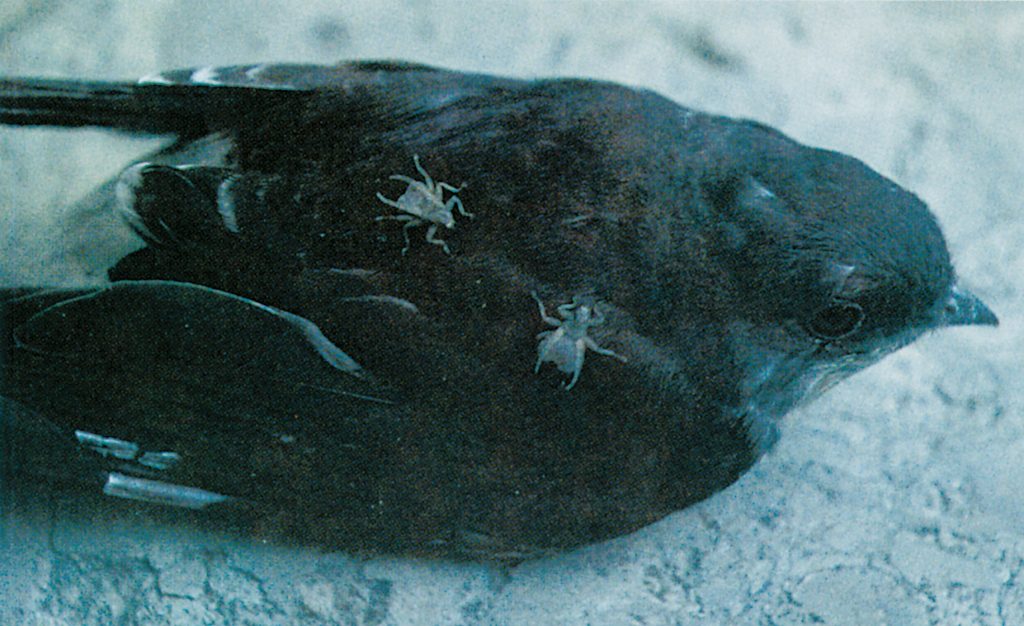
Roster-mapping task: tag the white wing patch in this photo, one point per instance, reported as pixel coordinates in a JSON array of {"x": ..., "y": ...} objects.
[
  {"x": 160, "y": 492},
  {"x": 226, "y": 205},
  {"x": 208, "y": 75},
  {"x": 329, "y": 352},
  {"x": 274, "y": 77},
  {"x": 385, "y": 299},
  {"x": 253, "y": 73},
  {"x": 155, "y": 79}
]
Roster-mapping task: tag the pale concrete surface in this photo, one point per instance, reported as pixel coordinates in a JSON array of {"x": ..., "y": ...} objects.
[{"x": 894, "y": 500}]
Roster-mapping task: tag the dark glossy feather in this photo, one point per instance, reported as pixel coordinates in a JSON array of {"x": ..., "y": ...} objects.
[{"x": 280, "y": 335}]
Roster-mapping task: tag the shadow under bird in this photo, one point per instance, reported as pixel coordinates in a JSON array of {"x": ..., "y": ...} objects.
[{"x": 422, "y": 311}]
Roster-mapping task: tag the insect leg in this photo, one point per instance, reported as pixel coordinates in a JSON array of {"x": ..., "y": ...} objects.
[
  {"x": 456, "y": 203},
  {"x": 431, "y": 232},
  {"x": 577, "y": 364},
  {"x": 426, "y": 176},
  {"x": 448, "y": 187},
  {"x": 412, "y": 222},
  {"x": 405, "y": 179},
  {"x": 598, "y": 349},
  {"x": 542, "y": 352},
  {"x": 388, "y": 202},
  {"x": 544, "y": 314}
]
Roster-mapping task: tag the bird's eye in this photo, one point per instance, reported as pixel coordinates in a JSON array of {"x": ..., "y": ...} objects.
[{"x": 836, "y": 320}]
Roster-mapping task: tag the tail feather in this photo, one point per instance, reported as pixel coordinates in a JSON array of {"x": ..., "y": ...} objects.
[
  {"x": 50, "y": 102},
  {"x": 188, "y": 110}
]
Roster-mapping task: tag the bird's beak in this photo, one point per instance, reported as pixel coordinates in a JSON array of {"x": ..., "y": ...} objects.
[{"x": 963, "y": 308}]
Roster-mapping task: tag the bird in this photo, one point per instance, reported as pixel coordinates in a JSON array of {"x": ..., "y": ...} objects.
[{"x": 337, "y": 314}]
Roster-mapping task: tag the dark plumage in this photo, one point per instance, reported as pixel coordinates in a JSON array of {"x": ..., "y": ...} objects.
[{"x": 274, "y": 335}]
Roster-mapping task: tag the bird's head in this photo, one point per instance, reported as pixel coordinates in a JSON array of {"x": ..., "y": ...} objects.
[{"x": 838, "y": 265}]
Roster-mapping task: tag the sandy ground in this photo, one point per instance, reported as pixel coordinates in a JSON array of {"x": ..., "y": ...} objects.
[{"x": 893, "y": 500}]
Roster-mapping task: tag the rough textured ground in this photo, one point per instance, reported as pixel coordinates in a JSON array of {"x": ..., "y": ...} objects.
[{"x": 893, "y": 500}]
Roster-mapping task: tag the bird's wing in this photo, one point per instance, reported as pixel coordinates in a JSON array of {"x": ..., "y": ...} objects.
[
  {"x": 197, "y": 101},
  {"x": 185, "y": 369},
  {"x": 278, "y": 76}
]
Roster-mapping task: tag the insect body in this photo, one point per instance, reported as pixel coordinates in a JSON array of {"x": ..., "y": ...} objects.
[
  {"x": 423, "y": 203},
  {"x": 567, "y": 343}
]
